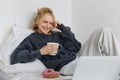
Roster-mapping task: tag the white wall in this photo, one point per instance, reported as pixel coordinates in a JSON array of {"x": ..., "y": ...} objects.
[
  {"x": 22, "y": 11},
  {"x": 88, "y": 15}
]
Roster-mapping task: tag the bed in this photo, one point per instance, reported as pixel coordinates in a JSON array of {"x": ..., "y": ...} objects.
[
  {"x": 21, "y": 71},
  {"x": 15, "y": 17}
]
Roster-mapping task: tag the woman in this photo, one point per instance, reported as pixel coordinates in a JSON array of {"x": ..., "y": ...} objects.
[
  {"x": 101, "y": 43},
  {"x": 35, "y": 46}
]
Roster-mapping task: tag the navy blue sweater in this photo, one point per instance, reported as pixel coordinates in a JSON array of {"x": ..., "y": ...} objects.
[{"x": 29, "y": 49}]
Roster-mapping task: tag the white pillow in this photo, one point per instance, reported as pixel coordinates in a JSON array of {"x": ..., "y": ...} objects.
[{"x": 17, "y": 35}]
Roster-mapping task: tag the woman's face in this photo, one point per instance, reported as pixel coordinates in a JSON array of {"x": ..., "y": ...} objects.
[{"x": 45, "y": 24}]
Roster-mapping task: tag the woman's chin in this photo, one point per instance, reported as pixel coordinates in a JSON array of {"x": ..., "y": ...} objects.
[{"x": 47, "y": 33}]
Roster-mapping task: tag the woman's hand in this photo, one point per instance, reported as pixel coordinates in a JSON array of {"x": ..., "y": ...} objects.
[
  {"x": 49, "y": 49},
  {"x": 57, "y": 24}
]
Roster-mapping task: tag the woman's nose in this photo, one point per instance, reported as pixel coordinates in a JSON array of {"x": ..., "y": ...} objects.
[{"x": 48, "y": 25}]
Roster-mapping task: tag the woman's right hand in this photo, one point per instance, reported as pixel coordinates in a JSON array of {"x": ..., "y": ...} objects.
[
  {"x": 48, "y": 49},
  {"x": 57, "y": 24}
]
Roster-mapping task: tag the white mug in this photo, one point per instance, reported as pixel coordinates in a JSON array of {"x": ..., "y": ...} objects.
[{"x": 57, "y": 44}]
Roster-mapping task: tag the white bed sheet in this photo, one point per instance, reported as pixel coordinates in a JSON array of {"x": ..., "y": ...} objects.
[
  {"x": 37, "y": 76},
  {"x": 15, "y": 74}
]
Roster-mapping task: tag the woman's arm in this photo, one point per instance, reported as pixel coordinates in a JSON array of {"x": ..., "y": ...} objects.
[
  {"x": 68, "y": 39},
  {"x": 27, "y": 52},
  {"x": 24, "y": 53}
]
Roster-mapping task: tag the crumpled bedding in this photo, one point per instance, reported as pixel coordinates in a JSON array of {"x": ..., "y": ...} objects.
[
  {"x": 37, "y": 76},
  {"x": 13, "y": 73}
]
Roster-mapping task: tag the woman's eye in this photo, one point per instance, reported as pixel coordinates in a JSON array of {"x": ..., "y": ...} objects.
[
  {"x": 44, "y": 21},
  {"x": 51, "y": 23}
]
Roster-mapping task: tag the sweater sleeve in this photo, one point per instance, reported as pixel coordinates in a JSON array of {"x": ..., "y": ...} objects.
[
  {"x": 24, "y": 53},
  {"x": 68, "y": 40}
]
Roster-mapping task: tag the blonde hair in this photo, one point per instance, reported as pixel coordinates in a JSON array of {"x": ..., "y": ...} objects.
[{"x": 40, "y": 13}]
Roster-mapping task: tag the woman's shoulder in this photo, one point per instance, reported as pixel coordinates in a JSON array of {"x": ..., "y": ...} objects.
[{"x": 30, "y": 36}]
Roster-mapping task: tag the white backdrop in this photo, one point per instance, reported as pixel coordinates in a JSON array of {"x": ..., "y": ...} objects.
[
  {"x": 84, "y": 16},
  {"x": 88, "y": 15},
  {"x": 22, "y": 11}
]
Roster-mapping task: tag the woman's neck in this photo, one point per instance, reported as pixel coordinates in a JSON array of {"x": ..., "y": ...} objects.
[{"x": 49, "y": 33}]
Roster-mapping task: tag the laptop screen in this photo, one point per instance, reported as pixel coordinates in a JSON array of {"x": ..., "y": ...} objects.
[{"x": 98, "y": 68}]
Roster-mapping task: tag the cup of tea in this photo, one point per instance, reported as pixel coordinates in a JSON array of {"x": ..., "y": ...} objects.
[{"x": 59, "y": 46}]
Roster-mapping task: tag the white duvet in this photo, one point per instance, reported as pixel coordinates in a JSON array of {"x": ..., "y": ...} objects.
[
  {"x": 28, "y": 71},
  {"x": 37, "y": 76},
  {"x": 16, "y": 74}
]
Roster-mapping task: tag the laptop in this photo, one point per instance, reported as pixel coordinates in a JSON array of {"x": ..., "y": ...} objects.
[{"x": 97, "y": 68}]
